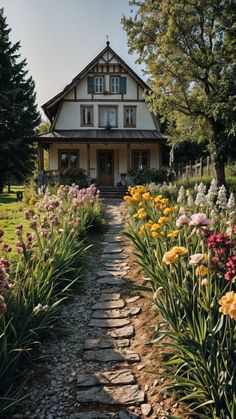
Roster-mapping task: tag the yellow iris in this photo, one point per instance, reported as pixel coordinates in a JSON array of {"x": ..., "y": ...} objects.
[
  {"x": 173, "y": 234},
  {"x": 202, "y": 270}
]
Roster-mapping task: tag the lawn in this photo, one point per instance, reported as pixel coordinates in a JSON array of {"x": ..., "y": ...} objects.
[{"x": 11, "y": 214}]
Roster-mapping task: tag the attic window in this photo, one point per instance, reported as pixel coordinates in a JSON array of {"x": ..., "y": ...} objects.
[
  {"x": 98, "y": 84},
  {"x": 115, "y": 84}
]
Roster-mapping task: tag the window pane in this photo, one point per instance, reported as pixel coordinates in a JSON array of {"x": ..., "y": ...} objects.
[
  {"x": 98, "y": 84},
  {"x": 115, "y": 84},
  {"x": 73, "y": 159},
  {"x": 104, "y": 121},
  {"x": 64, "y": 160},
  {"x": 112, "y": 117},
  {"x": 87, "y": 118}
]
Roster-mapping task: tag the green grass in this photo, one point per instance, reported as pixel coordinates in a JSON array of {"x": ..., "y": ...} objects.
[{"x": 11, "y": 214}]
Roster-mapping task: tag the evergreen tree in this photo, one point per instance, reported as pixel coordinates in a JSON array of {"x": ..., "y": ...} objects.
[
  {"x": 18, "y": 111},
  {"x": 189, "y": 48}
]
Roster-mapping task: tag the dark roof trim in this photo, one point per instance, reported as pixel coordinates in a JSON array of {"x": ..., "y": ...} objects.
[{"x": 75, "y": 80}]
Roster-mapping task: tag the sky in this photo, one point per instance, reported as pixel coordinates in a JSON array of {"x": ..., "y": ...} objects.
[{"x": 60, "y": 37}]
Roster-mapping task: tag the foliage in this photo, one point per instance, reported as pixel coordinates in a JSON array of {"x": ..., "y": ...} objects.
[
  {"x": 43, "y": 127},
  {"x": 77, "y": 176},
  {"x": 143, "y": 176},
  {"x": 189, "y": 49},
  {"x": 51, "y": 254},
  {"x": 18, "y": 113},
  {"x": 188, "y": 251}
]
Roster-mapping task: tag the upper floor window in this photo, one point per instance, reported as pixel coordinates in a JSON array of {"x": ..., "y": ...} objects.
[
  {"x": 98, "y": 84},
  {"x": 115, "y": 84},
  {"x": 108, "y": 116},
  {"x": 129, "y": 116},
  {"x": 86, "y": 115},
  {"x": 68, "y": 159}
]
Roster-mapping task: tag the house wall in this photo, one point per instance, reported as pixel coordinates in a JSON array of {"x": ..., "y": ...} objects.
[
  {"x": 120, "y": 156},
  {"x": 69, "y": 116}
]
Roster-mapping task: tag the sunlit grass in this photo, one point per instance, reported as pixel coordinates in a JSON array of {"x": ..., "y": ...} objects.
[{"x": 11, "y": 214}]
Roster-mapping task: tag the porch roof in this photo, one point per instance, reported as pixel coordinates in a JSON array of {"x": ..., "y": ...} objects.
[{"x": 100, "y": 135}]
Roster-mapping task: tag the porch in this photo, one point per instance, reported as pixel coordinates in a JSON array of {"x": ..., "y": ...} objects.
[{"x": 106, "y": 163}]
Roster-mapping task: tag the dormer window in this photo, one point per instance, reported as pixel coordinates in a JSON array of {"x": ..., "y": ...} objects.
[
  {"x": 98, "y": 84},
  {"x": 115, "y": 84}
]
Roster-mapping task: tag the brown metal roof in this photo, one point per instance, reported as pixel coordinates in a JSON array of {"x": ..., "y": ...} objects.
[{"x": 102, "y": 135}]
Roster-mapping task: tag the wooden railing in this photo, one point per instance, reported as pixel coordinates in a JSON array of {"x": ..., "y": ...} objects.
[{"x": 199, "y": 168}]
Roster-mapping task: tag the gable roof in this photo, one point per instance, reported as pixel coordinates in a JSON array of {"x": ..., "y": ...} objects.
[{"x": 51, "y": 106}]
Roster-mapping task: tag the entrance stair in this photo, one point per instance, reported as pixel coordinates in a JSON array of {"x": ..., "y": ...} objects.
[{"x": 112, "y": 192}]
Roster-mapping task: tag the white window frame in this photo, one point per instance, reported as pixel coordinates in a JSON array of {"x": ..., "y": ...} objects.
[
  {"x": 98, "y": 84},
  {"x": 84, "y": 108},
  {"x": 107, "y": 110},
  {"x": 115, "y": 84}
]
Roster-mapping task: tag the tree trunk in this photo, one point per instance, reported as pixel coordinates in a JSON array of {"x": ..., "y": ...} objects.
[
  {"x": 9, "y": 188},
  {"x": 219, "y": 170}
]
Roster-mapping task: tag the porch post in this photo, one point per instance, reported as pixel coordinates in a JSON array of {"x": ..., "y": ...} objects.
[
  {"x": 40, "y": 158},
  {"x": 128, "y": 158},
  {"x": 88, "y": 159}
]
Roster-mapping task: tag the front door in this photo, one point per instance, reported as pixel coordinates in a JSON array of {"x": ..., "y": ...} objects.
[{"x": 105, "y": 160}]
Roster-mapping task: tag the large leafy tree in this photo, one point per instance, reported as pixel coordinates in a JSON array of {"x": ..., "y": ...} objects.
[
  {"x": 189, "y": 49},
  {"x": 18, "y": 113}
]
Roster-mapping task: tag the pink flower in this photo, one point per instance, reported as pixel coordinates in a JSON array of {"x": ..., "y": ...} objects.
[
  {"x": 28, "y": 213},
  {"x": 199, "y": 219},
  {"x": 182, "y": 220},
  {"x": 196, "y": 258},
  {"x": 33, "y": 224}
]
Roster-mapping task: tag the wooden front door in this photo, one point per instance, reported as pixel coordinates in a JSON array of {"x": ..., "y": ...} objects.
[{"x": 105, "y": 162}]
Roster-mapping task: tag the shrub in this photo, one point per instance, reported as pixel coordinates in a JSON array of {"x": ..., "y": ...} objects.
[
  {"x": 77, "y": 176},
  {"x": 143, "y": 176}
]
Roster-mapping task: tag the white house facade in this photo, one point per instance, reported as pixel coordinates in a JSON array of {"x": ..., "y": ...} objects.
[{"x": 101, "y": 123}]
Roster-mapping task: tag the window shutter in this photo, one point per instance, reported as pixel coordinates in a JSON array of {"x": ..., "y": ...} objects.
[
  {"x": 123, "y": 85},
  {"x": 90, "y": 82}
]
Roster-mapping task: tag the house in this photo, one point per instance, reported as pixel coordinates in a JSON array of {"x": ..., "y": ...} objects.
[{"x": 101, "y": 123}]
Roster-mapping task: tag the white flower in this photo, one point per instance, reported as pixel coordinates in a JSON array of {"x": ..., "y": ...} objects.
[
  {"x": 212, "y": 192},
  {"x": 201, "y": 188},
  {"x": 200, "y": 199},
  {"x": 231, "y": 202},
  {"x": 221, "y": 198},
  {"x": 181, "y": 195},
  {"x": 190, "y": 200}
]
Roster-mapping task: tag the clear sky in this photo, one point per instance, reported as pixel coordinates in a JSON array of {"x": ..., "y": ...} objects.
[{"x": 60, "y": 37}]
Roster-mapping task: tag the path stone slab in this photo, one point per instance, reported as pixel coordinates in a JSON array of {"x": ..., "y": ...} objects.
[
  {"x": 126, "y": 415},
  {"x": 122, "y": 332},
  {"x": 106, "y": 305},
  {"x": 96, "y": 343},
  {"x": 110, "y": 314},
  {"x": 113, "y": 289},
  {"x": 108, "y": 280},
  {"x": 133, "y": 299},
  {"x": 112, "y": 395},
  {"x": 117, "y": 266},
  {"x": 109, "y": 296},
  {"x": 111, "y": 249},
  {"x": 106, "y": 378},
  {"x": 94, "y": 415},
  {"x": 105, "y": 355},
  {"x": 115, "y": 256},
  {"x": 108, "y": 323},
  {"x": 111, "y": 272},
  {"x": 115, "y": 262}
]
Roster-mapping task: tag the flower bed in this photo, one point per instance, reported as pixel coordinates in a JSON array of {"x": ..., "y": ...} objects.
[
  {"x": 188, "y": 250},
  {"x": 49, "y": 265}
]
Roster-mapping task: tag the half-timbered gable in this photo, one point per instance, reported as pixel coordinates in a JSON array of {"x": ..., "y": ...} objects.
[{"x": 101, "y": 123}]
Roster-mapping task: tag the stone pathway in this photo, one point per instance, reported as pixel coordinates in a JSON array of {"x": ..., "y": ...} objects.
[{"x": 91, "y": 372}]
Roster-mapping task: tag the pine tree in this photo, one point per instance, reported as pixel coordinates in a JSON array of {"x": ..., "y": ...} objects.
[{"x": 18, "y": 111}]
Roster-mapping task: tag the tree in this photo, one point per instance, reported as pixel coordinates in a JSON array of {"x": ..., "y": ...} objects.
[
  {"x": 18, "y": 112},
  {"x": 189, "y": 49}
]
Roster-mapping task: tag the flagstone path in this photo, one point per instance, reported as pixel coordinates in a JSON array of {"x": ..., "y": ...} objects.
[{"x": 90, "y": 373}]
